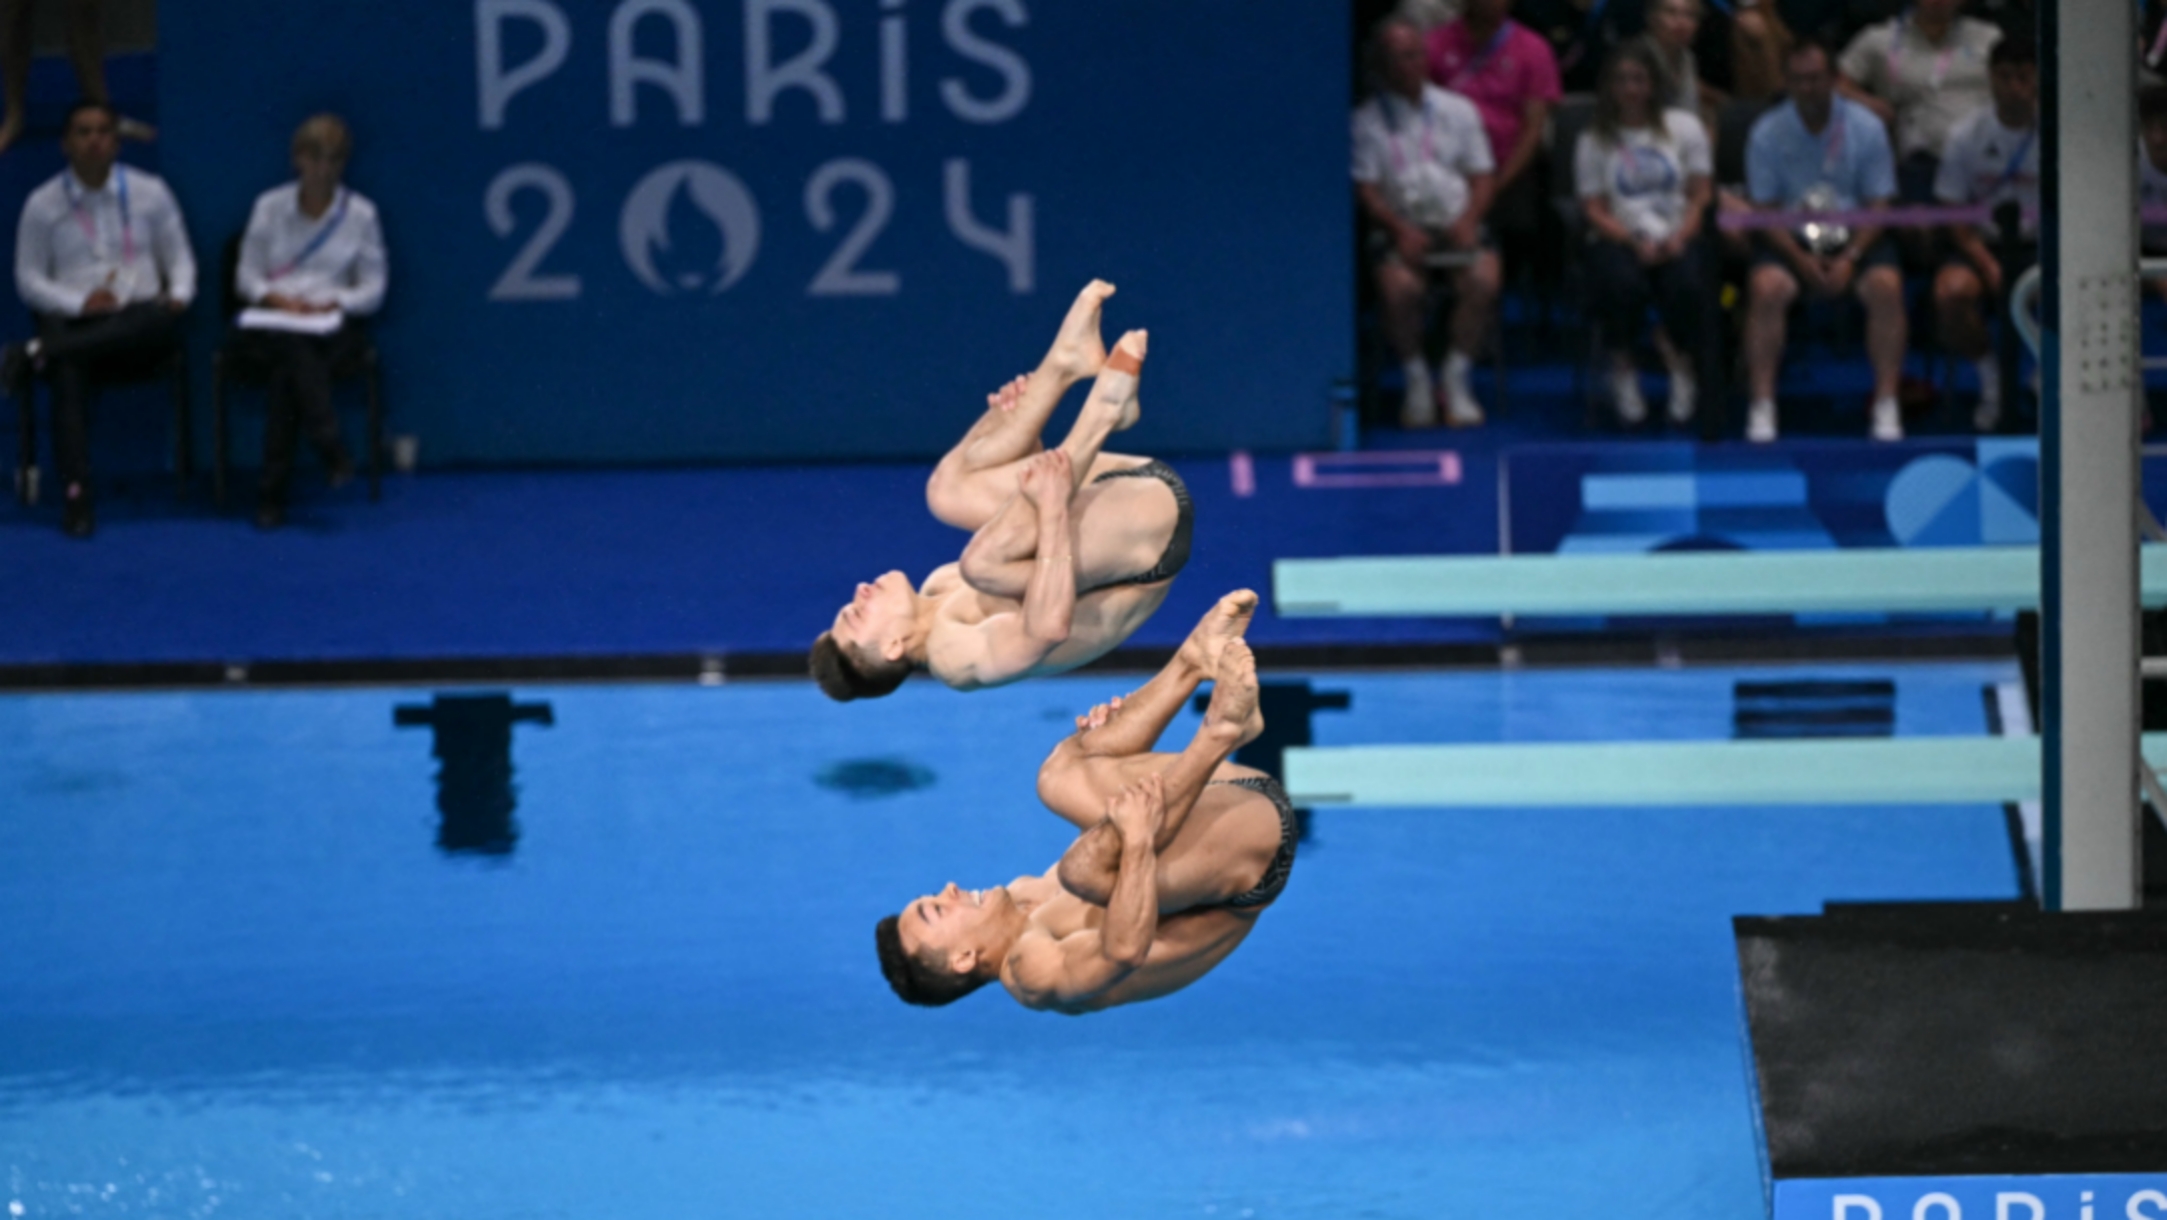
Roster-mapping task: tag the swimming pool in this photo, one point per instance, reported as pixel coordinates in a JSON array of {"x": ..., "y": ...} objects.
[{"x": 242, "y": 978}]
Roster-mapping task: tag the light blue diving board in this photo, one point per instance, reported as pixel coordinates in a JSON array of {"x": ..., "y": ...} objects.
[
  {"x": 1855, "y": 580},
  {"x": 1823, "y": 771}
]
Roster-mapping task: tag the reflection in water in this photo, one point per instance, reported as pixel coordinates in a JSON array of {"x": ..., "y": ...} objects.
[
  {"x": 873, "y": 777},
  {"x": 1286, "y": 707},
  {"x": 474, "y": 773}
]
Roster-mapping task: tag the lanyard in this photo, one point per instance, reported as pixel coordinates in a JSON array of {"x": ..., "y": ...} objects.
[
  {"x": 76, "y": 201},
  {"x": 2159, "y": 45},
  {"x": 1429, "y": 134},
  {"x": 2016, "y": 159},
  {"x": 1489, "y": 51},
  {"x": 315, "y": 243},
  {"x": 1832, "y": 143},
  {"x": 1896, "y": 55}
]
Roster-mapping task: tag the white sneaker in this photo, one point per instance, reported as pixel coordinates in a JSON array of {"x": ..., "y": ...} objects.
[
  {"x": 1761, "y": 422},
  {"x": 1683, "y": 395},
  {"x": 1419, "y": 408},
  {"x": 1625, "y": 393},
  {"x": 1888, "y": 420},
  {"x": 1461, "y": 409}
]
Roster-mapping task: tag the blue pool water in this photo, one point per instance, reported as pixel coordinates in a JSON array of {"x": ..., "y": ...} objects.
[{"x": 238, "y": 978}]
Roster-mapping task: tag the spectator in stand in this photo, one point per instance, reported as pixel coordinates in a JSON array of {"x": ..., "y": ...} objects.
[
  {"x": 1921, "y": 72},
  {"x": 1759, "y": 41},
  {"x": 1991, "y": 158},
  {"x": 313, "y": 252},
  {"x": 102, "y": 260},
  {"x": 1508, "y": 72},
  {"x": 1820, "y": 152},
  {"x": 1673, "y": 25},
  {"x": 2152, "y": 171},
  {"x": 1422, "y": 174},
  {"x": 1643, "y": 177}
]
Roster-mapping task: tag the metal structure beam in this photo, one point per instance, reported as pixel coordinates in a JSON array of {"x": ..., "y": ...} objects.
[{"x": 2089, "y": 455}]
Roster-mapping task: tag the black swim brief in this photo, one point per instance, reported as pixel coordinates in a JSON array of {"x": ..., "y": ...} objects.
[
  {"x": 1290, "y": 829},
  {"x": 1176, "y": 554}
]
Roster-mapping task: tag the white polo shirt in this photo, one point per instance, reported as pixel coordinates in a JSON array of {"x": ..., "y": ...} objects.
[
  {"x": 336, "y": 258},
  {"x": 1421, "y": 157},
  {"x": 125, "y": 237}
]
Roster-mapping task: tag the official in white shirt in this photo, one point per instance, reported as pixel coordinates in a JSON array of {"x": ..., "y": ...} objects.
[
  {"x": 313, "y": 252},
  {"x": 1991, "y": 158},
  {"x": 102, "y": 259}
]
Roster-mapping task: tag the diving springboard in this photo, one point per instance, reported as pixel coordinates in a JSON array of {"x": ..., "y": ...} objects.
[
  {"x": 1812, "y": 771},
  {"x": 1854, "y": 580}
]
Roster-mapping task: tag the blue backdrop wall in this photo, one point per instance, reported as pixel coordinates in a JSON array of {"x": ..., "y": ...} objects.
[{"x": 764, "y": 229}]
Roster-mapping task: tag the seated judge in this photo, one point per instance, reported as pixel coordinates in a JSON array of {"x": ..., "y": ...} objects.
[
  {"x": 312, "y": 267},
  {"x": 102, "y": 260}
]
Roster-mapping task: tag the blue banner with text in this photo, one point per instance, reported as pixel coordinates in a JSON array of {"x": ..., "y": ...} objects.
[
  {"x": 652, "y": 230},
  {"x": 2103, "y": 1196}
]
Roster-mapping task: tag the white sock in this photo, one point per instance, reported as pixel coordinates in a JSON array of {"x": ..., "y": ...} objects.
[
  {"x": 34, "y": 348},
  {"x": 1989, "y": 379},
  {"x": 1413, "y": 370}
]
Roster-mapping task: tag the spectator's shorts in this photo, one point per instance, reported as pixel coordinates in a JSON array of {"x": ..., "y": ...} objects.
[
  {"x": 1883, "y": 253},
  {"x": 1382, "y": 249}
]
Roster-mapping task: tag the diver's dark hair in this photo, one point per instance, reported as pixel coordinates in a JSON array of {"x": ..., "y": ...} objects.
[
  {"x": 915, "y": 981},
  {"x": 841, "y": 679}
]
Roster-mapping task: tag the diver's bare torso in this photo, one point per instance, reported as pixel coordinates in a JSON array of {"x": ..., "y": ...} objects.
[
  {"x": 1122, "y": 526},
  {"x": 1226, "y": 845}
]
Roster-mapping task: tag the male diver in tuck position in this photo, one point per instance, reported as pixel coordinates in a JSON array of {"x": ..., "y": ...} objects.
[
  {"x": 1071, "y": 550},
  {"x": 1178, "y": 856}
]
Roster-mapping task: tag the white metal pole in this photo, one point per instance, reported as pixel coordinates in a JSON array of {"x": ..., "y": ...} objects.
[{"x": 2089, "y": 459}]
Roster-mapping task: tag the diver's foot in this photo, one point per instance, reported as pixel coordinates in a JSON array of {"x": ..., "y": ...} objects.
[
  {"x": 1077, "y": 351},
  {"x": 1115, "y": 391},
  {"x": 1233, "y": 709},
  {"x": 1228, "y": 620}
]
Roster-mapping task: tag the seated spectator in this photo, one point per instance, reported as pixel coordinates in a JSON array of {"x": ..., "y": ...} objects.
[
  {"x": 2152, "y": 171},
  {"x": 1581, "y": 34},
  {"x": 1819, "y": 152},
  {"x": 313, "y": 249},
  {"x": 1921, "y": 72},
  {"x": 1643, "y": 177},
  {"x": 1422, "y": 174},
  {"x": 1991, "y": 158},
  {"x": 1759, "y": 41},
  {"x": 1508, "y": 72},
  {"x": 102, "y": 260},
  {"x": 1673, "y": 26}
]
